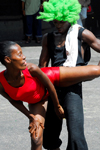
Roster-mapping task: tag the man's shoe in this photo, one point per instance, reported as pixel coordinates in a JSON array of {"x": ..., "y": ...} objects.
[{"x": 28, "y": 40}]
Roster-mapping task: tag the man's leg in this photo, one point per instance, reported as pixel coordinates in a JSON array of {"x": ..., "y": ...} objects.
[
  {"x": 75, "y": 122},
  {"x": 52, "y": 129}
]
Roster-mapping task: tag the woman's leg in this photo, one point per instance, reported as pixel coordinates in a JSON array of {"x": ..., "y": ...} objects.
[
  {"x": 70, "y": 76},
  {"x": 39, "y": 111}
]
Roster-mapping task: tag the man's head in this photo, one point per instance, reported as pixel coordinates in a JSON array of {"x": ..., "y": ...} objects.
[{"x": 61, "y": 10}]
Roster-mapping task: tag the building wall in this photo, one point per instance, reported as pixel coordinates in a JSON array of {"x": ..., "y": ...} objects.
[{"x": 11, "y": 20}]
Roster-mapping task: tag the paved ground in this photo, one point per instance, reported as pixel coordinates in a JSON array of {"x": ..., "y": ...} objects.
[{"x": 13, "y": 125}]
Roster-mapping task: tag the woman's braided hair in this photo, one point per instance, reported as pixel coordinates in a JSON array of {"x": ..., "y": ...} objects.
[{"x": 61, "y": 10}]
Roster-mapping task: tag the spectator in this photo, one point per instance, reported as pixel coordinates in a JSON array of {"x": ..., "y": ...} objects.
[
  {"x": 30, "y": 9},
  {"x": 96, "y": 8},
  {"x": 83, "y": 13},
  {"x": 90, "y": 22}
]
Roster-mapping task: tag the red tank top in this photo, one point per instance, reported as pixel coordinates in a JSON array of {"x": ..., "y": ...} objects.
[{"x": 32, "y": 90}]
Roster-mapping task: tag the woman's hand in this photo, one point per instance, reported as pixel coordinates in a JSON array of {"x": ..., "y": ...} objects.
[
  {"x": 34, "y": 126},
  {"x": 37, "y": 72},
  {"x": 59, "y": 112}
]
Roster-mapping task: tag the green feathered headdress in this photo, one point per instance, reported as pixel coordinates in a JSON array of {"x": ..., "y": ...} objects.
[{"x": 61, "y": 10}]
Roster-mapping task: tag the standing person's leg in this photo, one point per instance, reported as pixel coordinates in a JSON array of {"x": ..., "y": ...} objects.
[
  {"x": 38, "y": 28},
  {"x": 80, "y": 21},
  {"x": 29, "y": 22},
  {"x": 39, "y": 111},
  {"x": 75, "y": 121},
  {"x": 52, "y": 129}
]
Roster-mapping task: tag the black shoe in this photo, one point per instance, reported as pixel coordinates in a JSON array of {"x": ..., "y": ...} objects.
[
  {"x": 28, "y": 40},
  {"x": 38, "y": 40}
]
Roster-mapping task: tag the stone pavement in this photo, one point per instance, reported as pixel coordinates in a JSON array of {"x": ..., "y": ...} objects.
[{"x": 14, "y": 125}]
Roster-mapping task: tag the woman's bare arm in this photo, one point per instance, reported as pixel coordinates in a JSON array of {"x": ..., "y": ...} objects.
[
  {"x": 35, "y": 71},
  {"x": 17, "y": 104},
  {"x": 35, "y": 122}
]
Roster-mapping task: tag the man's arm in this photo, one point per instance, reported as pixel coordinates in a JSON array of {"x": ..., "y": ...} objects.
[
  {"x": 91, "y": 40},
  {"x": 44, "y": 56}
]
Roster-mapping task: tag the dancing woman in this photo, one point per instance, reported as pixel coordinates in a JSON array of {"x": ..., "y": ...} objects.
[{"x": 25, "y": 82}]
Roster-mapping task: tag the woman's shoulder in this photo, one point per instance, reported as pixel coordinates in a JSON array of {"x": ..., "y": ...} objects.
[{"x": 32, "y": 68}]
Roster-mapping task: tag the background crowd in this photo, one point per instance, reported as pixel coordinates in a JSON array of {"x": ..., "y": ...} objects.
[{"x": 89, "y": 18}]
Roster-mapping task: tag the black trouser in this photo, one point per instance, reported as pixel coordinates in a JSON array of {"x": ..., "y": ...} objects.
[{"x": 72, "y": 104}]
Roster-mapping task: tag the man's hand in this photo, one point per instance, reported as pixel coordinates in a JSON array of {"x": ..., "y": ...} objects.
[{"x": 34, "y": 127}]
